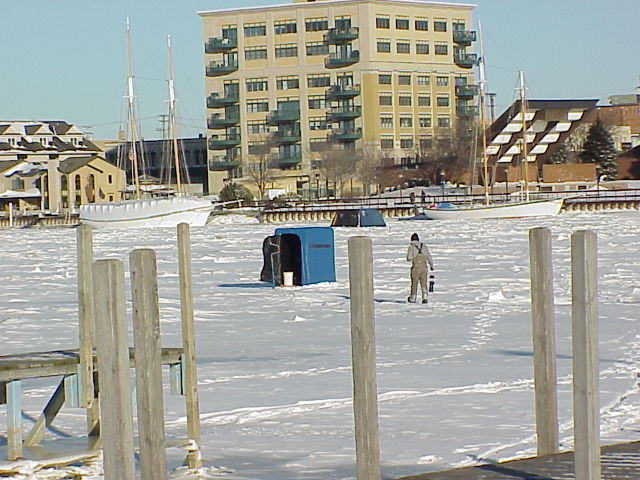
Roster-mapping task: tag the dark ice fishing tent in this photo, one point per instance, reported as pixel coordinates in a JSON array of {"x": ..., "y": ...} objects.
[
  {"x": 363, "y": 217},
  {"x": 299, "y": 256}
]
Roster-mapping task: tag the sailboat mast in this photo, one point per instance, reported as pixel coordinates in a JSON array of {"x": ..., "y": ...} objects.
[
  {"x": 524, "y": 153},
  {"x": 172, "y": 120},
  {"x": 483, "y": 82},
  {"x": 133, "y": 154}
]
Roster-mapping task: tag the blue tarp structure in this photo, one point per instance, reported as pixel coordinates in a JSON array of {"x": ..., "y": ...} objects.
[
  {"x": 308, "y": 252},
  {"x": 363, "y": 217}
]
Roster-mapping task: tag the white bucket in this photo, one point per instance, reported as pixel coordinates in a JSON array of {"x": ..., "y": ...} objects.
[{"x": 287, "y": 279}]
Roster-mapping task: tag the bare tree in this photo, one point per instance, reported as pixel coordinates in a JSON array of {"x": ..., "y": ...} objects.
[
  {"x": 260, "y": 167},
  {"x": 369, "y": 166},
  {"x": 338, "y": 166}
]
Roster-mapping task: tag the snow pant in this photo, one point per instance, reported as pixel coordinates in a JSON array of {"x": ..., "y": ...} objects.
[{"x": 419, "y": 275}]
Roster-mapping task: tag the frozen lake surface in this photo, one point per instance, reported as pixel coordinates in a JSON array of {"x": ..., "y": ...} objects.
[{"x": 274, "y": 365}]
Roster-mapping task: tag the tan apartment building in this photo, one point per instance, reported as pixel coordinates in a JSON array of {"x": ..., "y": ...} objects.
[{"x": 382, "y": 74}]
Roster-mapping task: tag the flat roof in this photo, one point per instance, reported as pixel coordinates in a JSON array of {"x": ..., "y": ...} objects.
[{"x": 427, "y": 3}]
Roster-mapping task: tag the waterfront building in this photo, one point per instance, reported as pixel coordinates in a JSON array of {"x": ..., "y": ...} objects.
[{"x": 291, "y": 81}]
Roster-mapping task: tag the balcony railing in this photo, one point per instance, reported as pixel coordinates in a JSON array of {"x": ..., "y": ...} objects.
[
  {"x": 284, "y": 160},
  {"x": 345, "y": 135},
  {"x": 216, "y": 121},
  {"x": 341, "y": 35},
  {"x": 224, "y": 163},
  {"x": 466, "y": 91},
  {"x": 465, "y": 60},
  {"x": 337, "y": 92},
  {"x": 338, "y": 59},
  {"x": 221, "y": 68},
  {"x": 280, "y": 138},
  {"x": 348, "y": 112},
  {"x": 220, "y": 44},
  {"x": 467, "y": 111},
  {"x": 223, "y": 142},
  {"x": 214, "y": 100},
  {"x": 464, "y": 37},
  {"x": 287, "y": 115}
]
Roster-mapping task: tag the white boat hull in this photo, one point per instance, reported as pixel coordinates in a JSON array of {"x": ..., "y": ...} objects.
[
  {"x": 151, "y": 212},
  {"x": 511, "y": 210}
]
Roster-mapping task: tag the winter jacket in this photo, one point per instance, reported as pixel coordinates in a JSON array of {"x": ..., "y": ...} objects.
[{"x": 415, "y": 248}]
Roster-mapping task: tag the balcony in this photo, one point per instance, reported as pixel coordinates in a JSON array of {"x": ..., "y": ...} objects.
[
  {"x": 466, "y": 91},
  {"x": 220, "y": 44},
  {"x": 348, "y": 112},
  {"x": 338, "y": 59},
  {"x": 224, "y": 163},
  {"x": 276, "y": 117},
  {"x": 221, "y": 68},
  {"x": 223, "y": 142},
  {"x": 214, "y": 100},
  {"x": 345, "y": 135},
  {"x": 285, "y": 137},
  {"x": 340, "y": 35},
  {"x": 340, "y": 92},
  {"x": 464, "y": 37},
  {"x": 217, "y": 121},
  {"x": 467, "y": 111},
  {"x": 465, "y": 60},
  {"x": 287, "y": 160}
]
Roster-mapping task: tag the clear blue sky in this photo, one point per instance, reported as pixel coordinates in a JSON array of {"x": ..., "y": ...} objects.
[{"x": 67, "y": 60}]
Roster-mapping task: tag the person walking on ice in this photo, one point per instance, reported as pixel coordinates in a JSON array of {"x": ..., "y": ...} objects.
[{"x": 421, "y": 261}]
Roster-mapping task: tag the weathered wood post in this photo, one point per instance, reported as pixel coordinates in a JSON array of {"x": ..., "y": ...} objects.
[
  {"x": 544, "y": 344},
  {"x": 13, "y": 398},
  {"x": 584, "y": 322},
  {"x": 113, "y": 367},
  {"x": 190, "y": 379},
  {"x": 363, "y": 354},
  {"x": 86, "y": 328},
  {"x": 146, "y": 334}
]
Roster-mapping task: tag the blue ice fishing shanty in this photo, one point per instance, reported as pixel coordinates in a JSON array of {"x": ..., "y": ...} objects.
[
  {"x": 308, "y": 252},
  {"x": 362, "y": 217}
]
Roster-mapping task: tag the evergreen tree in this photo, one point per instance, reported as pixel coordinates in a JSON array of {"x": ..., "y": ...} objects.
[
  {"x": 233, "y": 191},
  {"x": 598, "y": 148},
  {"x": 561, "y": 155}
]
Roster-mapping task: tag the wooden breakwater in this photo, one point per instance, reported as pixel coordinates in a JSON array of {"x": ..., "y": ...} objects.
[{"x": 40, "y": 220}]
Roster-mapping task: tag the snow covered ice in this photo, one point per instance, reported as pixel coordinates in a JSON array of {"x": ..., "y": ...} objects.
[{"x": 274, "y": 365}]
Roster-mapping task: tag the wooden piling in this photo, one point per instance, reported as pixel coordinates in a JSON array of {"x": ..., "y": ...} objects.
[
  {"x": 113, "y": 365},
  {"x": 363, "y": 353},
  {"x": 188, "y": 344},
  {"x": 584, "y": 322},
  {"x": 13, "y": 391},
  {"x": 146, "y": 334},
  {"x": 544, "y": 345}
]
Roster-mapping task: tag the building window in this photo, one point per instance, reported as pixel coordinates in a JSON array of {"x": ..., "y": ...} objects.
[
  {"x": 386, "y": 122},
  {"x": 422, "y": 47},
  {"x": 442, "y": 81},
  {"x": 286, "y": 50},
  {"x": 383, "y": 46},
  {"x": 317, "y": 101},
  {"x": 255, "y": 53},
  {"x": 382, "y": 22},
  {"x": 384, "y": 79},
  {"x": 404, "y": 79},
  {"x": 254, "y": 106},
  {"x": 255, "y": 29},
  {"x": 285, "y": 26},
  {"x": 257, "y": 148},
  {"x": 386, "y": 143},
  {"x": 403, "y": 46},
  {"x": 110, "y": 179},
  {"x": 255, "y": 128},
  {"x": 404, "y": 100},
  {"x": 406, "y": 122},
  {"x": 402, "y": 23},
  {"x": 424, "y": 101},
  {"x": 318, "y": 80},
  {"x": 316, "y": 24},
  {"x": 424, "y": 121},
  {"x": 287, "y": 83},
  {"x": 406, "y": 142},
  {"x": 385, "y": 100},
  {"x": 257, "y": 84},
  {"x": 440, "y": 26},
  {"x": 316, "y": 48},
  {"x": 424, "y": 80},
  {"x": 422, "y": 24},
  {"x": 444, "y": 122},
  {"x": 343, "y": 22},
  {"x": 317, "y": 123},
  {"x": 442, "y": 101},
  {"x": 441, "y": 48}
]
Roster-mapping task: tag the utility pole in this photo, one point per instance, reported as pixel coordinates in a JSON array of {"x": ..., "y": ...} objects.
[{"x": 492, "y": 106}]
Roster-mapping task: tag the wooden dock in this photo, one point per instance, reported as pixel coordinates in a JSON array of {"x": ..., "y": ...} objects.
[{"x": 619, "y": 462}]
